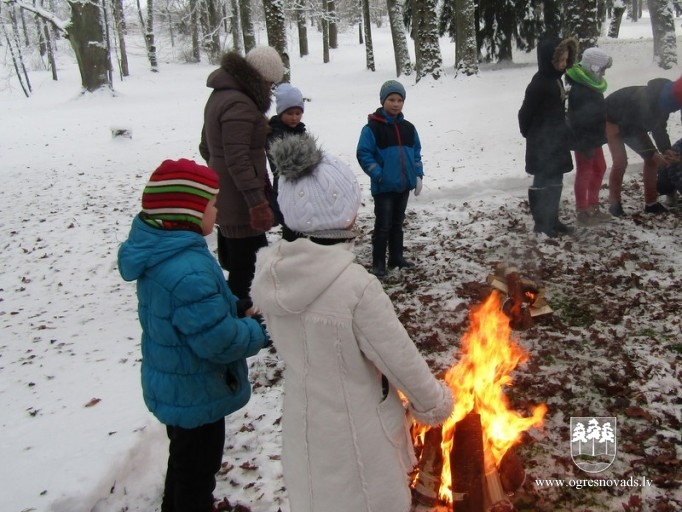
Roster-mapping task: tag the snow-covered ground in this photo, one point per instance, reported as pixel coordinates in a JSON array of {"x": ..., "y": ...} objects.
[{"x": 74, "y": 433}]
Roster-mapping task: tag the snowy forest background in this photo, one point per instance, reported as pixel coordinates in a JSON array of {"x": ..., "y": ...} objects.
[{"x": 482, "y": 30}]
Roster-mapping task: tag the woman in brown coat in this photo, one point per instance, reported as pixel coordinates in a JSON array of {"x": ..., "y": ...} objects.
[{"x": 233, "y": 144}]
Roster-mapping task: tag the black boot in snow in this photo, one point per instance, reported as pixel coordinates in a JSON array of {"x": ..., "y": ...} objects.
[
  {"x": 554, "y": 202},
  {"x": 541, "y": 212}
]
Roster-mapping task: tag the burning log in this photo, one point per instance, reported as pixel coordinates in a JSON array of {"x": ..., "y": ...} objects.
[
  {"x": 467, "y": 466},
  {"x": 525, "y": 297},
  {"x": 514, "y": 307},
  {"x": 427, "y": 483},
  {"x": 512, "y": 474},
  {"x": 477, "y": 466}
]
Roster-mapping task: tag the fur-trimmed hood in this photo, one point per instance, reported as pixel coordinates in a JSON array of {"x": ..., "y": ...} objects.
[
  {"x": 236, "y": 73},
  {"x": 549, "y": 51}
]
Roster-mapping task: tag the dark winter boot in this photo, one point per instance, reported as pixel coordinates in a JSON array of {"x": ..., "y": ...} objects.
[
  {"x": 540, "y": 209},
  {"x": 554, "y": 199},
  {"x": 379, "y": 243},
  {"x": 395, "y": 251}
]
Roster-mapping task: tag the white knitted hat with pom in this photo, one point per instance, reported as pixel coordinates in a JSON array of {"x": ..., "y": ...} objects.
[{"x": 319, "y": 195}]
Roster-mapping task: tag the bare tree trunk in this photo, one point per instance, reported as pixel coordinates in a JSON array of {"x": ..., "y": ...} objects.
[
  {"x": 121, "y": 29},
  {"x": 333, "y": 29},
  {"x": 27, "y": 40},
  {"x": 194, "y": 30},
  {"x": 302, "y": 32},
  {"x": 616, "y": 19},
  {"x": 50, "y": 51},
  {"x": 149, "y": 36},
  {"x": 148, "y": 27},
  {"x": 325, "y": 33},
  {"x": 107, "y": 39},
  {"x": 211, "y": 24},
  {"x": 403, "y": 65},
  {"x": 466, "y": 51},
  {"x": 277, "y": 34},
  {"x": 42, "y": 46},
  {"x": 49, "y": 47},
  {"x": 87, "y": 38},
  {"x": 234, "y": 27},
  {"x": 429, "y": 61},
  {"x": 16, "y": 59},
  {"x": 663, "y": 28},
  {"x": 369, "y": 47},
  {"x": 247, "y": 25}
]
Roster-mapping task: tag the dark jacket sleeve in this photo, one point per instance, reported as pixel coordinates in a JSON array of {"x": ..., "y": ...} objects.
[
  {"x": 529, "y": 107},
  {"x": 203, "y": 146}
]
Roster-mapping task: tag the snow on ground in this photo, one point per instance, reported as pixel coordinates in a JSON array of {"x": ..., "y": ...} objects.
[{"x": 75, "y": 435}]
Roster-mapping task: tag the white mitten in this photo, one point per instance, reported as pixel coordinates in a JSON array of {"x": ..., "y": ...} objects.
[{"x": 418, "y": 187}]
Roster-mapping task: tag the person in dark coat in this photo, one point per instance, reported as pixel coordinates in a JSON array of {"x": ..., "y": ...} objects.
[
  {"x": 233, "y": 144},
  {"x": 542, "y": 122},
  {"x": 631, "y": 114},
  {"x": 289, "y": 106},
  {"x": 587, "y": 120}
]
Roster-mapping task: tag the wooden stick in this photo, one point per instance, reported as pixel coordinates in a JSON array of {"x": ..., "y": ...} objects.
[
  {"x": 430, "y": 467},
  {"x": 466, "y": 465}
]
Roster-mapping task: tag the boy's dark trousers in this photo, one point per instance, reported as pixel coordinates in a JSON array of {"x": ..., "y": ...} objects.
[
  {"x": 238, "y": 257},
  {"x": 389, "y": 213},
  {"x": 195, "y": 455}
]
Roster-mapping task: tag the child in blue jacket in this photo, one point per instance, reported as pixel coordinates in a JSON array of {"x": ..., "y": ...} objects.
[
  {"x": 389, "y": 152},
  {"x": 194, "y": 345}
]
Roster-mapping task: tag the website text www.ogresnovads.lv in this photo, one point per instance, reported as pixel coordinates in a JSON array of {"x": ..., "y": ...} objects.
[{"x": 580, "y": 483}]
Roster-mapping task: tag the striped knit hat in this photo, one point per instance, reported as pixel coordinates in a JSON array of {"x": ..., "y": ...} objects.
[{"x": 177, "y": 194}]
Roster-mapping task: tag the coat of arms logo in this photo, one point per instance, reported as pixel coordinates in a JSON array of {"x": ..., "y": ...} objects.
[{"x": 593, "y": 442}]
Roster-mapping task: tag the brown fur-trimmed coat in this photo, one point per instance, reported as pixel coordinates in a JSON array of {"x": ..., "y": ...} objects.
[{"x": 233, "y": 141}]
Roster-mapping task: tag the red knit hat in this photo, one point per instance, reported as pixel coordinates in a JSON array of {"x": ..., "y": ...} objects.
[{"x": 177, "y": 194}]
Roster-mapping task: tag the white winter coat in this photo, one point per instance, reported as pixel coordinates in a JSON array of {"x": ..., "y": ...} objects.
[{"x": 346, "y": 447}]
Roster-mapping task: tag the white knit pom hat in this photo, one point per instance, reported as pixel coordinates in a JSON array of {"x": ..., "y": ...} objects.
[
  {"x": 267, "y": 62},
  {"x": 595, "y": 60},
  {"x": 319, "y": 195}
]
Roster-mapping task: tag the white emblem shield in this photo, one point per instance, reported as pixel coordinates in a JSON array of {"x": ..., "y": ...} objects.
[{"x": 593, "y": 442}]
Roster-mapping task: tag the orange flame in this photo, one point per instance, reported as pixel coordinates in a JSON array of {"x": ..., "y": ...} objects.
[{"x": 488, "y": 358}]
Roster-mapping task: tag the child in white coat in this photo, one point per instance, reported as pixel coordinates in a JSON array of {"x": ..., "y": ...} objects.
[{"x": 346, "y": 445}]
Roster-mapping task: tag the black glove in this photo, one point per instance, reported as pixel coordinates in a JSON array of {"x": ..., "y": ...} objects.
[
  {"x": 242, "y": 307},
  {"x": 259, "y": 318}
]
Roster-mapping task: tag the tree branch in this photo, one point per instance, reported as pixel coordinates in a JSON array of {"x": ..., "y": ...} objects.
[{"x": 59, "y": 24}]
